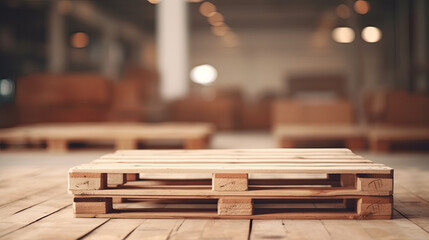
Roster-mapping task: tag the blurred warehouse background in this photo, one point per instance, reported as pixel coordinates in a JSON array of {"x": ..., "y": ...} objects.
[{"x": 218, "y": 61}]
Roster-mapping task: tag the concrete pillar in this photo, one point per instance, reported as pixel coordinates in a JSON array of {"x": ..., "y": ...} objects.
[
  {"x": 112, "y": 53},
  {"x": 57, "y": 41},
  {"x": 420, "y": 44},
  {"x": 172, "y": 48},
  {"x": 402, "y": 40}
]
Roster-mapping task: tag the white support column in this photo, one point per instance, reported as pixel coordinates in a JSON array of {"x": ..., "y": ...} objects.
[
  {"x": 57, "y": 41},
  {"x": 112, "y": 53},
  {"x": 172, "y": 48},
  {"x": 420, "y": 45}
]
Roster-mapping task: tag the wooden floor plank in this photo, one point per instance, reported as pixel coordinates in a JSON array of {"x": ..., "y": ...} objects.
[
  {"x": 155, "y": 229},
  {"x": 190, "y": 229},
  {"x": 29, "y": 201},
  {"x": 410, "y": 200},
  {"x": 345, "y": 229},
  {"x": 33, "y": 214},
  {"x": 60, "y": 225},
  {"x": 415, "y": 181},
  {"x": 226, "y": 229},
  {"x": 412, "y": 207},
  {"x": 13, "y": 173},
  {"x": 300, "y": 229},
  {"x": 114, "y": 229},
  {"x": 267, "y": 229},
  {"x": 29, "y": 186},
  {"x": 397, "y": 228}
]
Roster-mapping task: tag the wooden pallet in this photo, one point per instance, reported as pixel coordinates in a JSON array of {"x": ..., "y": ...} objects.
[
  {"x": 289, "y": 136},
  {"x": 57, "y": 137},
  {"x": 250, "y": 184},
  {"x": 381, "y": 138}
]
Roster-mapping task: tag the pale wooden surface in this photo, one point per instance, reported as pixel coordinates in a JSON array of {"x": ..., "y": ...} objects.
[
  {"x": 57, "y": 136},
  {"x": 95, "y": 131},
  {"x": 319, "y": 131},
  {"x": 381, "y": 138},
  {"x": 35, "y": 205}
]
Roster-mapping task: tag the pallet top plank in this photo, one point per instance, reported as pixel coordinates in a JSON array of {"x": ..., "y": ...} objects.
[
  {"x": 399, "y": 132},
  {"x": 232, "y": 156},
  {"x": 233, "y": 161},
  {"x": 227, "y": 160},
  {"x": 262, "y": 151},
  {"x": 233, "y": 168},
  {"x": 320, "y": 130}
]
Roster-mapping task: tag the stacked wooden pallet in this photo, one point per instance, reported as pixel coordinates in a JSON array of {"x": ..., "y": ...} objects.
[
  {"x": 352, "y": 136},
  {"x": 57, "y": 136},
  {"x": 315, "y": 123},
  {"x": 382, "y": 138},
  {"x": 234, "y": 183}
]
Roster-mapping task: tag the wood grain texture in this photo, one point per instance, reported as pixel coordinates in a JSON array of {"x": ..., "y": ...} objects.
[
  {"x": 230, "y": 182},
  {"x": 40, "y": 214}
]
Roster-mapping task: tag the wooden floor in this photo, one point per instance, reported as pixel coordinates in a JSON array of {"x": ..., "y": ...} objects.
[{"x": 34, "y": 204}]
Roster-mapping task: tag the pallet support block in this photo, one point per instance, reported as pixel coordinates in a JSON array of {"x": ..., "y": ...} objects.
[
  {"x": 368, "y": 207},
  {"x": 57, "y": 145},
  {"x": 286, "y": 143},
  {"x": 196, "y": 143},
  {"x": 92, "y": 205},
  {"x": 342, "y": 180},
  {"x": 87, "y": 181},
  {"x": 355, "y": 143},
  {"x": 375, "y": 184},
  {"x": 230, "y": 182},
  {"x": 121, "y": 144},
  {"x": 115, "y": 179},
  {"x": 348, "y": 180},
  {"x": 235, "y": 207},
  {"x": 379, "y": 145},
  {"x": 131, "y": 177}
]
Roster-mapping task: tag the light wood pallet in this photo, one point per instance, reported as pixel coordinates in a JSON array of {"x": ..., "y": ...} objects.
[
  {"x": 289, "y": 135},
  {"x": 381, "y": 138},
  {"x": 234, "y": 183},
  {"x": 57, "y": 136}
]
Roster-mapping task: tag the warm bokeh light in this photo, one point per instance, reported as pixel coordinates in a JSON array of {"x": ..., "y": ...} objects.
[
  {"x": 371, "y": 34},
  {"x": 343, "y": 35},
  {"x": 6, "y": 87},
  {"x": 153, "y": 1},
  {"x": 230, "y": 39},
  {"x": 343, "y": 11},
  {"x": 216, "y": 19},
  {"x": 361, "y": 7},
  {"x": 65, "y": 7},
  {"x": 79, "y": 40},
  {"x": 207, "y": 9},
  {"x": 220, "y": 30},
  {"x": 203, "y": 74}
]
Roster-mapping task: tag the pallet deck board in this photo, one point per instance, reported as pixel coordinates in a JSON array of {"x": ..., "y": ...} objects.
[
  {"x": 352, "y": 135},
  {"x": 382, "y": 137},
  {"x": 234, "y": 168}
]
